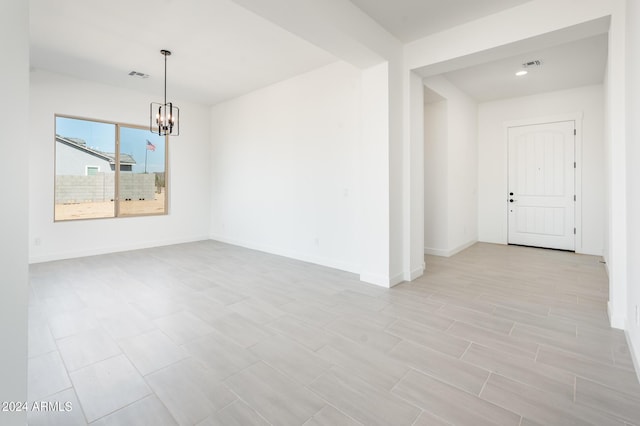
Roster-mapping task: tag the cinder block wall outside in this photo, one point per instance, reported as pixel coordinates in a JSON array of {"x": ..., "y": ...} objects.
[{"x": 101, "y": 187}]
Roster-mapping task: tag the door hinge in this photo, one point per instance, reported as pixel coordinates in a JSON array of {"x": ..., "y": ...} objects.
[
  {"x": 574, "y": 197},
  {"x": 574, "y": 164},
  {"x": 574, "y": 231},
  {"x": 574, "y": 132}
]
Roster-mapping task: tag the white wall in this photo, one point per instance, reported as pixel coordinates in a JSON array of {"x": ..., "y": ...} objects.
[
  {"x": 285, "y": 168},
  {"x": 435, "y": 177},
  {"x": 189, "y": 162},
  {"x": 492, "y": 173},
  {"x": 14, "y": 77},
  {"x": 414, "y": 178},
  {"x": 633, "y": 178},
  {"x": 615, "y": 139},
  {"x": 374, "y": 161},
  {"x": 356, "y": 38},
  {"x": 454, "y": 183},
  {"x": 463, "y": 170},
  {"x": 399, "y": 211}
]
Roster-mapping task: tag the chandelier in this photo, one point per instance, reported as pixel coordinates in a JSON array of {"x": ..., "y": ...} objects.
[{"x": 164, "y": 118}]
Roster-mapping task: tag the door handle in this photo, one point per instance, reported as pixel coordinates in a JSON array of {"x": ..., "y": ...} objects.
[{"x": 511, "y": 200}]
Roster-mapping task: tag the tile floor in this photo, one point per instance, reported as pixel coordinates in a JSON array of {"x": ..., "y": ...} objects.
[{"x": 211, "y": 334}]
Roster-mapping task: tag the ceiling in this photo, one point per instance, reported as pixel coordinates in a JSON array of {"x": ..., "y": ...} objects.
[
  {"x": 410, "y": 20},
  {"x": 221, "y": 50},
  {"x": 578, "y": 63}
]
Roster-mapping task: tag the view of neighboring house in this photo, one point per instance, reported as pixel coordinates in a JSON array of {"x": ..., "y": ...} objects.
[
  {"x": 74, "y": 157},
  {"x": 85, "y": 174}
]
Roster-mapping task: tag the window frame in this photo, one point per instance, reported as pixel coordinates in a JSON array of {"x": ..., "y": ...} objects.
[{"x": 116, "y": 196}]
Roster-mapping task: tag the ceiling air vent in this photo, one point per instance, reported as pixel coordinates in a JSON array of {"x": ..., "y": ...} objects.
[
  {"x": 138, "y": 74},
  {"x": 532, "y": 64}
]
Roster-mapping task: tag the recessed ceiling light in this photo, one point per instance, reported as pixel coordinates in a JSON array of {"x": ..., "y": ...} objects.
[{"x": 521, "y": 73}]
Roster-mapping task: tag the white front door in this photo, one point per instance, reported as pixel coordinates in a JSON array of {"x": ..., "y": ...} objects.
[{"x": 541, "y": 190}]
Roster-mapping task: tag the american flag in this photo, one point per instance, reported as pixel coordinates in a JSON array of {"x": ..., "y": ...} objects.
[{"x": 150, "y": 146}]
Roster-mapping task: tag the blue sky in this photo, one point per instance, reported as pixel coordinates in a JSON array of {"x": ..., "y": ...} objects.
[{"x": 101, "y": 137}]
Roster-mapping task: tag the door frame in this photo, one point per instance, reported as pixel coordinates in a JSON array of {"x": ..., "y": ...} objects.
[{"x": 577, "y": 118}]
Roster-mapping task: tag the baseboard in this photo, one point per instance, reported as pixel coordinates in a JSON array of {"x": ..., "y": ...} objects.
[
  {"x": 114, "y": 249},
  {"x": 450, "y": 252},
  {"x": 635, "y": 355},
  {"x": 463, "y": 247},
  {"x": 616, "y": 321},
  {"x": 396, "y": 279},
  {"x": 416, "y": 273},
  {"x": 382, "y": 280},
  {"x": 591, "y": 251},
  {"x": 436, "y": 252},
  {"x": 279, "y": 251},
  {"x": 376, "y": 279}
]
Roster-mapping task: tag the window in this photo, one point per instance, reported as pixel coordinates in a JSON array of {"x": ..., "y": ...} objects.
[
  {"x": 107, "y": 170},
  {"x": 92, "y": 170}
]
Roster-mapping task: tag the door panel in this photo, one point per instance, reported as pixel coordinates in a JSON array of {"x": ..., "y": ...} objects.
[{"x": 542, "y": 180}]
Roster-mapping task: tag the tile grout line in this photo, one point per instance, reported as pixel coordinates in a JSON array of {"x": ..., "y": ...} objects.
[
  {"x": 465, "y": 351},
  {"x": 239, "y": 398},
  {"x": 484, "y": 385},
  {"x": 417, "y": 418},
  {"x": 325, "y": 400},
  {"x": 130, "y": 404}
]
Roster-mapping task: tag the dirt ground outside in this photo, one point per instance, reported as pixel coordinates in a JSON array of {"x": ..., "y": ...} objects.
[{"x": 107, "y": 209}]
